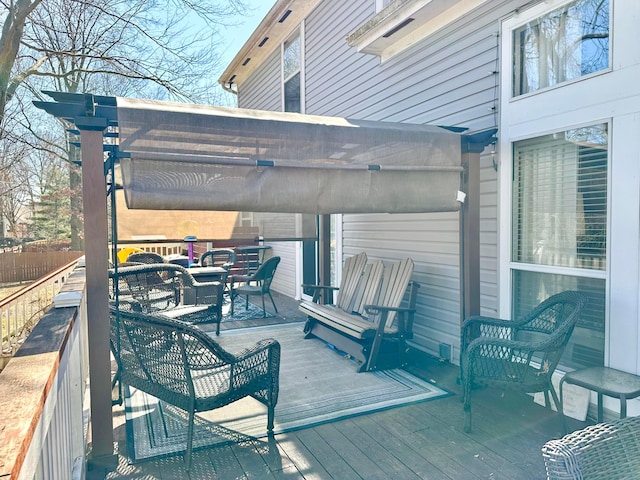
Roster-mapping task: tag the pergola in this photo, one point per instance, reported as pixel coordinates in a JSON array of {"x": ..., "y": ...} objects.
[{"x": 196, "y": 157}]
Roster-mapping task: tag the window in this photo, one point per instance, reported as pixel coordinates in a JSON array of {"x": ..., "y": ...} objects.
[
  {"x": 291, "y": 67},
  {"x": 560, "y": 199},
  {"x": 559, "y": 228},
  {"x": 565, "y": 44}
]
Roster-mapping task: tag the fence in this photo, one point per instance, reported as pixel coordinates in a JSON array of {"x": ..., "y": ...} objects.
[
  {"x": 28, "y": 266},
  {"x": 21, "y": 311}
]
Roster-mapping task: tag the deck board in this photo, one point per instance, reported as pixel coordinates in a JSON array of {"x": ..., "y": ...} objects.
[{"x": 420, "y": 441}]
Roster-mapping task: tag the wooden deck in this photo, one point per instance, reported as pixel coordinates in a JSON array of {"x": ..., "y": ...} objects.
[{"x": 420, "y": 441}]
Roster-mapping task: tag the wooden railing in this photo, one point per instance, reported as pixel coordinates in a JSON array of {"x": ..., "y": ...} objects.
[
  {"x": 43, "y": 424},
  {"x": 160, "y": 248},
  {"x": 20, "y": 312}
]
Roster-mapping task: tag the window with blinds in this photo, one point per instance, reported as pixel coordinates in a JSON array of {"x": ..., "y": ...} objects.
[
  {"x": 560, "y": 199},
  {"x": 560, "y": 221}
]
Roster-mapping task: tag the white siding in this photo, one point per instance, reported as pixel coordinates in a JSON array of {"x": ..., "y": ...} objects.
[{"x": 262, "y": 90}]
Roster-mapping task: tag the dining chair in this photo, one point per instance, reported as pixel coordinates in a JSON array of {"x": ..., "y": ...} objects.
[{"x": 259, "y": 283}]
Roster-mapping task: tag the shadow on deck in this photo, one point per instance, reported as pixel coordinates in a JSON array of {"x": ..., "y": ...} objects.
[{"x": 419, "y": 441}]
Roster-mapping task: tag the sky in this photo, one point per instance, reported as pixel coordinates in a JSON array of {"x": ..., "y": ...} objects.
[{"x": 235, "y": 37}]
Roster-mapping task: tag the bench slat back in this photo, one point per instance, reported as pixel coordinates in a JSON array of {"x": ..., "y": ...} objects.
[
  {"x": 394, "y": 285},
  {"x": 368, "y": 288},
  {"x": 351, "y": 274}
]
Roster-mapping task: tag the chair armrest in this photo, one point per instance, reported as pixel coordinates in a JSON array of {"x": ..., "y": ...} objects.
[
  {"x": 404, "y": 319},
  {"x": 256, "y": 349},
  {"x": 380, "y": 308},
  {"x": 318, "y": 289},
  {"x": 480, "y": 326},
  {"x": 259, "y": 360}
]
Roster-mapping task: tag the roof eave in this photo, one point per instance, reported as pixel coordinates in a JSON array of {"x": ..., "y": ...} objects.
[{"x": 275, "y": 27}]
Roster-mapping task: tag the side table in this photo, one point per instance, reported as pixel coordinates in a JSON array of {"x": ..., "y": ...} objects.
[{"x": 604, "y": 381}]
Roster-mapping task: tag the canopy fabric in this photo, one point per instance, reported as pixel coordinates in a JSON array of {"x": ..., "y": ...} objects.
[{"x": 195, "y": 157}]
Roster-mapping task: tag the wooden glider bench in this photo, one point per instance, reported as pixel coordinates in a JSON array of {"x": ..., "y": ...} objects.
[{"x": 370, "y": 325}]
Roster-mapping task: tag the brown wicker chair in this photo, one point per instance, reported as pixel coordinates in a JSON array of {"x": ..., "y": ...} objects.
[
  {"x": 183, "y": 366},
  {"x": 518, "y": 354},
  {"x": 608, "y": 451}
]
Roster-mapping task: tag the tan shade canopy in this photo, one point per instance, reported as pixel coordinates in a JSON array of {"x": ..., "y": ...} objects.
[{"x": 194, "y": 157}]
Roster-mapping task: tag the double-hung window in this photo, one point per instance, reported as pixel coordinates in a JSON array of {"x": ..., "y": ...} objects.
[
  {"x": 291, "y": 69},
  {"x": 557, "y": 179},
  {"x": 559, "y": 228}
]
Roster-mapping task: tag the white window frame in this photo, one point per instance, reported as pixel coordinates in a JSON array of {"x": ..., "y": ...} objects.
[
  {"x": 301, "y": 33},
  {"x": 533, "y": 13}
]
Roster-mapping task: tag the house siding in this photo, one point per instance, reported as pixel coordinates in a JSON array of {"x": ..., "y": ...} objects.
[
  {"x": 446, "y": 79},
  {"x": 262, "y": 90}
]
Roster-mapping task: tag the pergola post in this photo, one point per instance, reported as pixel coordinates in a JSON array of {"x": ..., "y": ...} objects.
[
  {"x": 470, "y": 237},
  {"x": 94, "y": 195}
]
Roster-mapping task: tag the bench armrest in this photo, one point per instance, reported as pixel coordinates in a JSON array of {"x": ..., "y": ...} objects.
[{"x": 318, "y": 289}]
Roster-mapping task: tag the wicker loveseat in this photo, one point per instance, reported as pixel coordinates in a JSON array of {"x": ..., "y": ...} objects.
[
  {"x": 183, "y": 366},
  {"x": 608, "y": 451}
]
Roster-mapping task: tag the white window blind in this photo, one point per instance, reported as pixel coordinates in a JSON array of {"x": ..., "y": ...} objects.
[{"x": 560, "y": 199}]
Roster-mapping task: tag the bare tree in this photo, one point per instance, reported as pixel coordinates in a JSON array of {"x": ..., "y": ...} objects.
[{"x": 154, "y": 49}]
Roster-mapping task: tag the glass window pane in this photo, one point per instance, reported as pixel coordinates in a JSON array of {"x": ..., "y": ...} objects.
[
  {"x": 565, "y": 44},
  {"x": 291, "y": 60},
  {"x": 586, "y": 345},
  {"x": 560, "y": 199},
  {"x": 292, "y": 94}
]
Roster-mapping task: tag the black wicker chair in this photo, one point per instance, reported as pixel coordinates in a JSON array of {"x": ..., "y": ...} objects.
[
  {"x": 259, "y": 283},
  {"x": 518, "y": 354},
  {"x": 183, "y": 366},
  {"x": 163, "y": 287},
  {"x": 608, "y": 450}
]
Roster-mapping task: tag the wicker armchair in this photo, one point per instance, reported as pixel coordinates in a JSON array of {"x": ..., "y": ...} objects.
[
  {"x": 181, "y": 365},
  {"x": 161, "y": 287},
  {"x": 603, "y": 451},
  {"x": 219, "y": 257},
  {"x": 518, "y": 354}
]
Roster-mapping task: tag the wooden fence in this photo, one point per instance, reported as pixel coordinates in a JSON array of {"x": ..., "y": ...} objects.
[{"x": 29, "y": 266}]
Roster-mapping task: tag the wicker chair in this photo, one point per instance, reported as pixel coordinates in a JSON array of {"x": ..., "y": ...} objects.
[
  {"x": 145, "y": 257},
  {"x": 183, "y": 366},
  {"x": 219, "y": 257},
  {"x": 518, "y": 354},
  {"x": 259, "y": 283},
  {"x": 603, "y": 451},
  {"x": 162, "y": 287}
]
